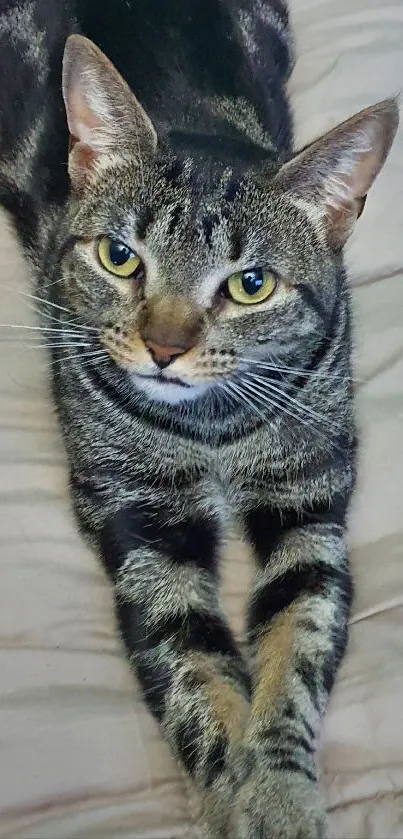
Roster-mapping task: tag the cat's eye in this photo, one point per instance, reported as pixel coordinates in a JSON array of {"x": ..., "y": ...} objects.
[
  {"x": 250, "y": 287},
  {"x": 118, "y": 258}
]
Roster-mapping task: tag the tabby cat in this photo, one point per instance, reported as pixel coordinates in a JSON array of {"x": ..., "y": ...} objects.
[{"x": 190, "y": 270}]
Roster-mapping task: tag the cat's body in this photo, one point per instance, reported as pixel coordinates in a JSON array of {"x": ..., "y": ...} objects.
[{"x": 182, "y": 411}]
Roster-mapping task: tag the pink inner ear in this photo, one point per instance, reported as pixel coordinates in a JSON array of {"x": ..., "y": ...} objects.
[
  {"x": 365, "y": 158},
  {"x": 82, "y": 120},
  {"x": 84, "y": 155},
  {"x": 83, "y": 126},
  {"x": 366, "y": 173}
]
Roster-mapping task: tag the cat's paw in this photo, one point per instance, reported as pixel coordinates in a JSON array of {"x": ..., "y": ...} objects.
[{"x": 278, "y": 805}]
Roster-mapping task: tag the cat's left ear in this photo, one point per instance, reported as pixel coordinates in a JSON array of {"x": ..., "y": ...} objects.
[
  {"x": 332, "y": 176},
  {"x": 102, "y": 112}
]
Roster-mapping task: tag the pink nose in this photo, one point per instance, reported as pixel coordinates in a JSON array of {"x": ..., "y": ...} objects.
[{"x": 163, "y": 356}]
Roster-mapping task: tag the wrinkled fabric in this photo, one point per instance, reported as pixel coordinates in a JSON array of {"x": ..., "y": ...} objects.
[{"x": 80, "y": 756}]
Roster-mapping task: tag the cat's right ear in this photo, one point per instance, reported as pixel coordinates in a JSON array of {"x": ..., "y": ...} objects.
[
  {"x": 103, "y": 114},
  {"x": 332, "y": 176}
]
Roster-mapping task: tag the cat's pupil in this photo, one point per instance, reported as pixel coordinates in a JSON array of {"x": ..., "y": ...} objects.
[
  {"x": 119, "y": 254},
  {"x": 252, "y": 281}
]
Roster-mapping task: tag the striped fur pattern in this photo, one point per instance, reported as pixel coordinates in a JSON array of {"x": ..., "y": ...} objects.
[{"x": 253, "y": 422}]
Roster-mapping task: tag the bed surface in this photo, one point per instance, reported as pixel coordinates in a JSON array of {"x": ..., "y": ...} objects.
[{"x": 80, "y": 756}]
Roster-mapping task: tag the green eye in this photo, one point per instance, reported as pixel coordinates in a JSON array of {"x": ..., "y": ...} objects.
[
  {"x": 117, "y": 258},
  {"x": 249, "y": 287}
]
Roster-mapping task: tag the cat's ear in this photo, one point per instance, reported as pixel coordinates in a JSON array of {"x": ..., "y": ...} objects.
[
  {"x": 332, "y": 176},
  {"x": 103, "y": 114}
]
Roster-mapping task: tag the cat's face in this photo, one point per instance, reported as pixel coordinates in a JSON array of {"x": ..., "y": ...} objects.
[
  {"x": 187, "y": 289},
  {"x": 192, "y": 281}
]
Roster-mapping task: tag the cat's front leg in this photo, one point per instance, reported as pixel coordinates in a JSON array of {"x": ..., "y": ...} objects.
[
  {"x": 190, "y": 670},
  {"x": 298, "y": 630}
]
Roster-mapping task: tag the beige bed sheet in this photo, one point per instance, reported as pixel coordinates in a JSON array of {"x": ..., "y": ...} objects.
[{"x": 80, "y": 756}]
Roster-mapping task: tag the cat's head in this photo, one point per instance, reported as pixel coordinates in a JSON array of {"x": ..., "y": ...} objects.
[{"x": 196, "y": 273}]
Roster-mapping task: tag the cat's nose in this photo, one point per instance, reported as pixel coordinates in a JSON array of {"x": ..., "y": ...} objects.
[{"x": 163, "y": 356}]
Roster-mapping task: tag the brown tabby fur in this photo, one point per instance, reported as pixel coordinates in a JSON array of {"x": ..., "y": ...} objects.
[{"x": 184, "y": 412}]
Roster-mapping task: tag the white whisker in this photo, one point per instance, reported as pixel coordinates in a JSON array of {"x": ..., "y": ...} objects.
[
  {"x": 244, "y": 398},
  {"x": 44, "y": 329},
  {"x": 82, "y": 356},
  {"x": 38, "y": 299},
  {"x": 291, "y": 399},
  {"x": 280, "y": 402},
  {"x": 31, "y": 343},
  {"x": 270, "y": 401},
  {"x": 222, "y": 389},
  {"x": 45, "y": 302},
  {"x": 66, "y": 346},
  {"x": 281, "y": 368},
  {"x": 72, "y": 324}
]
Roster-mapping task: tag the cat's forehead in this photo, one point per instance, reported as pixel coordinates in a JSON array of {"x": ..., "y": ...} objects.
[
  {"x": 189, "y": 201},
  {"x": 208, "y": 190},
  {"x": 186, "y": 213}
]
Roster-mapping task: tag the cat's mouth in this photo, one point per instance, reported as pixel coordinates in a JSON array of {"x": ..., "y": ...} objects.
[
  {"x": 162, "y": 378},
  {"x": 171, "y": 390}
]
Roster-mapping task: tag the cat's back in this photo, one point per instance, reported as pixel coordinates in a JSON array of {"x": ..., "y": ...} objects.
[
  {"x": 210, "y": 74},
  {"x": 189, "y": 61}
]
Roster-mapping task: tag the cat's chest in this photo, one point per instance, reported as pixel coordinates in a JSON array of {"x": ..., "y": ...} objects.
[
  {"x": 241, "y": 462},
  {"x": 236, "y": 475},
  {"x": 252, "y": 468}
]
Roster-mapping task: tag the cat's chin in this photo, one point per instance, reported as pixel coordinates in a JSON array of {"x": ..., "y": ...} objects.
[{"x": 170, "y": 392}]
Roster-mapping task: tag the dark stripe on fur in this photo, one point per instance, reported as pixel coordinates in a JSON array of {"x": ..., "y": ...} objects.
[
  {"x": 236, "y": 246},
  {"x": 145, "y": 218},
  {"x": 308, "y": 580},
  {"x": 195, "y": 631},
  {"x": 277, "y": 737},
  {"x": 266, "y": 526},
  {"x": 209, "y": 223},
  {"x": 136, "y": 526},
  {"x": 175, "y": 219},
  {"x": 290, "y": 765},
  {"x": 233, "y": 189},
  {"x": 173, "y": 172},
  {"x": 187, "y": 737},
  {"x": 155, "y": 677},
  {"x": 313, "y": 300},
  {"x": 215, "y": 760},
  {"x": 307, "y": 672}
]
